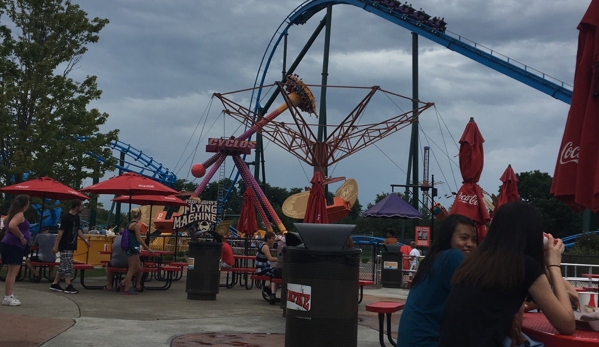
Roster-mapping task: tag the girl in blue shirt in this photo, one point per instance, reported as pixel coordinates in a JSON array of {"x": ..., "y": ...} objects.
[{"x": 420, "y": 321}]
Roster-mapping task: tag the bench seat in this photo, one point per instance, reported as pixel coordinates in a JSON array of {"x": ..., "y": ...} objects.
[
  {"x": 385, "y": 308},
  {"x": 266, "y": 278},
  {"x": 239, "y": 269}
]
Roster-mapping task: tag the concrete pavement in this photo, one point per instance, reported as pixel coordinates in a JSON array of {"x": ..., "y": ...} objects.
[{"x": 157, "y": 318}]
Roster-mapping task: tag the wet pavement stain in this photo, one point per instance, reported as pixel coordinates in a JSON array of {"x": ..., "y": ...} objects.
[{"x": 230, "y": 339}]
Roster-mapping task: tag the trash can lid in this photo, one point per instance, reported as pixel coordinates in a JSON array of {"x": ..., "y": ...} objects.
[{"x": 324, "y": 237}]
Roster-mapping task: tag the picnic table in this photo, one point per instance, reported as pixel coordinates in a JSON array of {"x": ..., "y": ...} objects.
[
  {"x": 240, "y": 272},
  {"x": 591, "y": 276},
  {"x": 537, "y": 326},
  {"x": 154, "y": 267}
]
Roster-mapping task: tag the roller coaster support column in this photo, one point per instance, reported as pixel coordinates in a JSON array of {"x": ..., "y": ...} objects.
[
  {"x": 251, "y": 182},
  {"x": 261, "y": 110},
  {"x": 322, "y": 119}
]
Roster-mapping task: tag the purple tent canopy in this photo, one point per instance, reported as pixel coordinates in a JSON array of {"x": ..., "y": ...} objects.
[{"x": 392, "y": 206}]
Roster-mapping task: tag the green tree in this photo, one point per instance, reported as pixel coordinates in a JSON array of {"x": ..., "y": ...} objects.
[
  {"x": 184, "y": 185},
  {"x": 47, "y": 129},
  {"x": 558, "y": 219}
]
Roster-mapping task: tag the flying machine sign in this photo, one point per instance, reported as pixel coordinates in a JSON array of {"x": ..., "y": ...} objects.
[
  {"x": 196, "y": 211},
  {"x": 232, "y": 146}
]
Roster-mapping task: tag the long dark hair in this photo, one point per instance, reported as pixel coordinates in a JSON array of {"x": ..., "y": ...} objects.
[
  {"x": 441, "y": 243},
  {"x": 498, "y": 263},
  {"x": 18, "y": 205}
]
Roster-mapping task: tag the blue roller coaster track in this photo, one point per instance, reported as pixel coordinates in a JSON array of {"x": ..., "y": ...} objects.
[
  {"x": 134, "y": 160},
  {"x": 470, "y": 49}
]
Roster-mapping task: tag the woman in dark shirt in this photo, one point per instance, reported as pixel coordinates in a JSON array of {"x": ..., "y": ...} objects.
[
  {"x": 13, "y": 245},
  {"x": 491, "y": 285}
]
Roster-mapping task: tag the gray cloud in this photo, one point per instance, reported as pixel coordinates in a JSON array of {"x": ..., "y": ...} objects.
[{"x": 158, "y": 64}]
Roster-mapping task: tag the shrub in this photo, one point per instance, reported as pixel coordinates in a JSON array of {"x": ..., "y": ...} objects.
[{"x": 586, "y": 244}]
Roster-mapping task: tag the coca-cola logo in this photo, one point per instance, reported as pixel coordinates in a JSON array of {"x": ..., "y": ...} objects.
[
  {"x": 569, "y": 154},
  {"x": 468, "y": 199}
]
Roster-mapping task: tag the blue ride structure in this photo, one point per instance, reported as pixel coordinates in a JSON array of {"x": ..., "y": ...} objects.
[
  {"x": 393, "y": 11},
  {"x": 131, "y": 159},
  {"x": 570, "y": 241}
]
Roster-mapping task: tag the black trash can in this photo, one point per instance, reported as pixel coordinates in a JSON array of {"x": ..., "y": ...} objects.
[
  {"x": 203, "y": 272},
  {"x": 391, "y": 272},
  {"x": 292, "y": 240},
  {"x": 322, "y": 297}
]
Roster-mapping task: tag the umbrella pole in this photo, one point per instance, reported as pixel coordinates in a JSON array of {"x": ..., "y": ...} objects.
[
  {"x": 176, "y": 243},
  {"x": 246, "y": 247},
  {"x": 148, "y": 232},
  {"x": 39, "y": 229}
]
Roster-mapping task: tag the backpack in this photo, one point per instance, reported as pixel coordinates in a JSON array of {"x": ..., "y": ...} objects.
[{"x": 125, "y": 238}]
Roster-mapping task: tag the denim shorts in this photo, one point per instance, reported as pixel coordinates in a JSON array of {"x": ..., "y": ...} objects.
[
  {"x": 11, "y": 255},
  {"x": 132, "y": 251}
]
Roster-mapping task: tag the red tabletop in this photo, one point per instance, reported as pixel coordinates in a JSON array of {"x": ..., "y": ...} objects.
[
  {"x": 539, "y": 329},
  {"x": 385, "y": 306},
  {"x": 146, "y": 253},
  {"x": 104, "y": 252},
  {"x": 590, "y": 275},
  {"x": 246, "y": 257}
]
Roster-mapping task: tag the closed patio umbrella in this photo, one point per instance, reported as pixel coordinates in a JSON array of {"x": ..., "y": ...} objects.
[
  {"x": 247, "y": 223},
  {"x": 509, "y": 189},
  {"x": 469, "y": 200},
  {"x": 576, "y": 176},
  {"x": 316, "y": 210}
]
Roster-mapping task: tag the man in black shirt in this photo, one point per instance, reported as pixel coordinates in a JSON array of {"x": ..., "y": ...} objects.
[{"x": 66, "y": 244}]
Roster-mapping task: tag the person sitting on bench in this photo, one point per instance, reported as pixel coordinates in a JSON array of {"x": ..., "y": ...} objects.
[
  {"x": 118, "y": 258},
  {"x": 45, "y": 241},
  {"x": 263, "y": 259}
]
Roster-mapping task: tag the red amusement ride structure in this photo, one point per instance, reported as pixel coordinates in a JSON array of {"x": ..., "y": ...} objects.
[{"x": 298, "y": 137}]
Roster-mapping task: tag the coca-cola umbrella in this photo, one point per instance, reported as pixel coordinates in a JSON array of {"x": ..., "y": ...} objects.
[
  {"x": 576, "y": 177},
  {"x": 45, "y": 188},
  {"x": 129, "y": 183},
  {"x": 316, "y": 209},
  {"x": 469, "y": 200},
  {"x": 160, "y": 200},
  {"x": 247, "y": 223},
  {"x": 509, "y": 189}
]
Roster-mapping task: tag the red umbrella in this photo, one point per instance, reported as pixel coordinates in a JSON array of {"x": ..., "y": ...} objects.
[
  {"x": 469, "y": 201},
  {"x": 576, "y": 177},
  {"x": 247, "y": 223},
  {"x": 129, "y": 184},
  {"x": 509, "y": 189},
  {"x": 45, "y": 188},
  {"x": 316, "y": 210}
]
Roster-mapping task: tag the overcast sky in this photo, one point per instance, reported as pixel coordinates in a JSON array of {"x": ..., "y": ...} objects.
[{"x": 159, "y": 62}]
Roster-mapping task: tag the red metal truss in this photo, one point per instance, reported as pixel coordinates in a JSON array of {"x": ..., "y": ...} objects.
[{"x": 347, "y": 138}]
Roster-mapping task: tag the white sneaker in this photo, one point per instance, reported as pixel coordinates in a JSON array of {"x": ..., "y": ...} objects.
[{"x": 10, "y": 301}]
